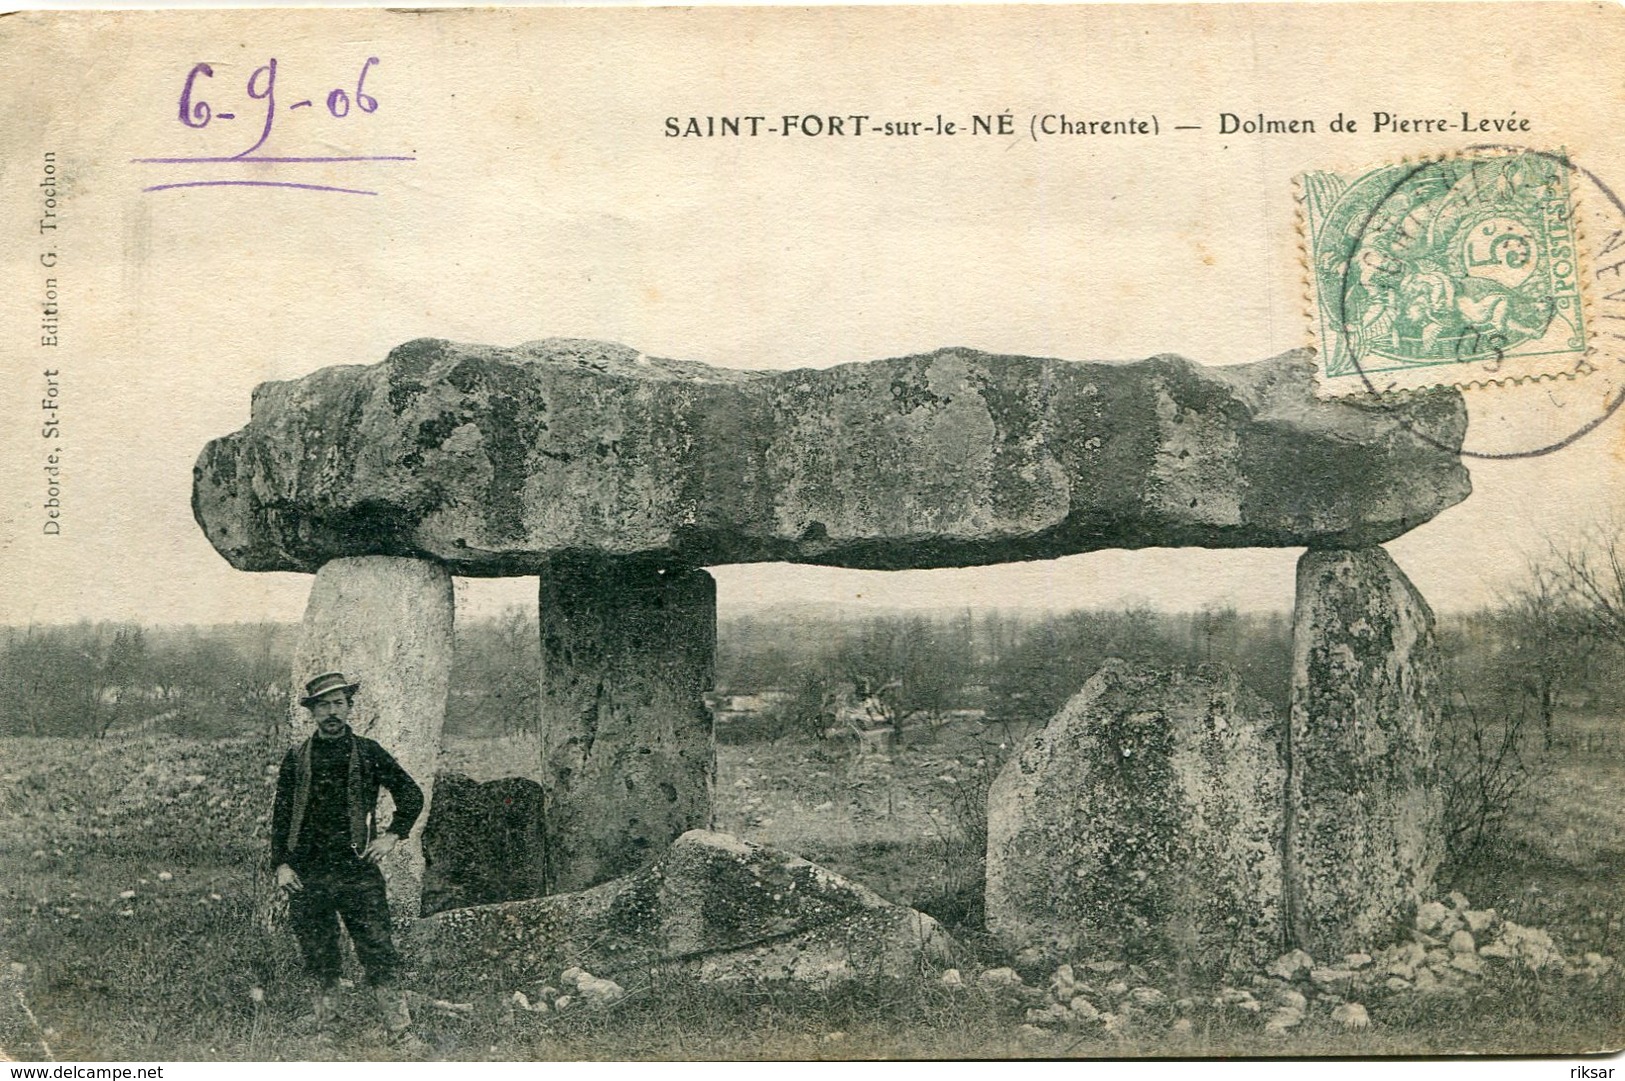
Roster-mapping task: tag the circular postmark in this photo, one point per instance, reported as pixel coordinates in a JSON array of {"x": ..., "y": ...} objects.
[{"x": 1470, "y": 270}]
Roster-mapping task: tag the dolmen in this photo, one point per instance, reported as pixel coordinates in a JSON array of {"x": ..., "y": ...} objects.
[{"x": 616, "y": 478}]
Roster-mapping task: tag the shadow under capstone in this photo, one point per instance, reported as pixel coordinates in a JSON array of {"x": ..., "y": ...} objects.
[{"x": 485, "y": 842}]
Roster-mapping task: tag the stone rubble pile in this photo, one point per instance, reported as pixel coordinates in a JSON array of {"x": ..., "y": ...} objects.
[
  {"x": 1094, "y": 996},
  {"x": 1453, "y": 949},
  {"x": 582, "y": 990}
]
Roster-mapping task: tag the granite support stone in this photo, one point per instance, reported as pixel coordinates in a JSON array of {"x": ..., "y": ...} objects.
[
  {"x": 628, "y": 653},
  {"x": 1364, "y": 826},
  {"x": 1144, "y": 822},
  {"x": 387, "y": 623}
]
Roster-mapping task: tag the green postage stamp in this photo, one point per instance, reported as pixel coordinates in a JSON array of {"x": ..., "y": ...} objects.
[{"x": 1456, "y": 270}]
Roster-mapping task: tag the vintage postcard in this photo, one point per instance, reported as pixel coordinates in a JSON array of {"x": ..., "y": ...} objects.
[{"x": 932, "y": 532}]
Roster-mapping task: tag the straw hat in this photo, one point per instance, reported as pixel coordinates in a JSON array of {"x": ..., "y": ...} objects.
[{"x": 326, "y": 684}]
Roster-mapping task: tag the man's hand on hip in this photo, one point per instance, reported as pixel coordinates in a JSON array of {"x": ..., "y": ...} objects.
[
  {"x": 287, "y": 879},
  {"x": 381, "y": 846}
]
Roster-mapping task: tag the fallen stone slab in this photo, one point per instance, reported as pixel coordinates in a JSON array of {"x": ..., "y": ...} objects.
[
  {"x": 494, "y": 460},
  {"x": 713, "y": 907}
]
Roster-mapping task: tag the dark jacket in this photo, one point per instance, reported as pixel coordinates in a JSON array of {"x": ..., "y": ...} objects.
[{"x": 370, "y": 767}]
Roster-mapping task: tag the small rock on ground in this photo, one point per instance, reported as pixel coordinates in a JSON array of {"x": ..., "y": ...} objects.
[
  {"x": 1282, "y": 1021},
  {"x": 1351, "y": 1015},
  {"x": 1288, "y": 965},
  {"x": 1289, "y": 999},
  {"x": 999, "y": 979},
  {"x": 1430, "y": 915}
]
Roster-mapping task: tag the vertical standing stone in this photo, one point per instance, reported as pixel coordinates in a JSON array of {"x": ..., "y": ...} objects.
[
  {"x": 386, "y": 622},
  {"x": 628, "y": 652},
  {"x": 1144, "y": 821},
  {"x": 1364, "y": 829}
]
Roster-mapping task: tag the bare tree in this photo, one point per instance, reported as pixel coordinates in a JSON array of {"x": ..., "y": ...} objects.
[
  {"x": 1489, "y": 769},
  {"x": 809, "y": 709},
  {"x": 496, "y": 678},
  {"x": 903, "y": 668},
  {"x": 1592, "y": 572},
  {"x": 56, "y": 681},
  {"x": 1549, "y": 632}
]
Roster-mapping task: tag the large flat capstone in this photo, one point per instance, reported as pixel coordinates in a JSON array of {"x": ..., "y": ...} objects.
[{"x": 494, "y": 460}]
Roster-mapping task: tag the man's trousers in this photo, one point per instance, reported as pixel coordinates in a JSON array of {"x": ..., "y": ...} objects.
[{"x": 353, "y": 891}]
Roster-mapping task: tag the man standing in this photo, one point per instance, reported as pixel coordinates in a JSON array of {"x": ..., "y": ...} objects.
[{"x": 326, "y": 850}]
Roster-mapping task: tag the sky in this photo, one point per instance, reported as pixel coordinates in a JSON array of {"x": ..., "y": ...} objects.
[{"x": 543, "y": 199}]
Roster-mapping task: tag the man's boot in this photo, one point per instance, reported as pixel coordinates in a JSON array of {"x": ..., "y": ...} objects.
[
  {"x": 392, "y": 1005},
  {"x": 327, "y": 1008},
  {"x": 398, "y": 1022}
]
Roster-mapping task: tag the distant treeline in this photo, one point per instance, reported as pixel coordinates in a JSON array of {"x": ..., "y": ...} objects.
[
  {"x": 1016, "y": 666},
  {"x": 90, "y": 679}
]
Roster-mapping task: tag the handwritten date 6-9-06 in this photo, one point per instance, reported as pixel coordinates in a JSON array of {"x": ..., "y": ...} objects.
[{"x": 197, "y": 113}]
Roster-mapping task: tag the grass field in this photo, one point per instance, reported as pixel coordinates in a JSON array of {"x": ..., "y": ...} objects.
[{"x": 127, "y": 871}]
